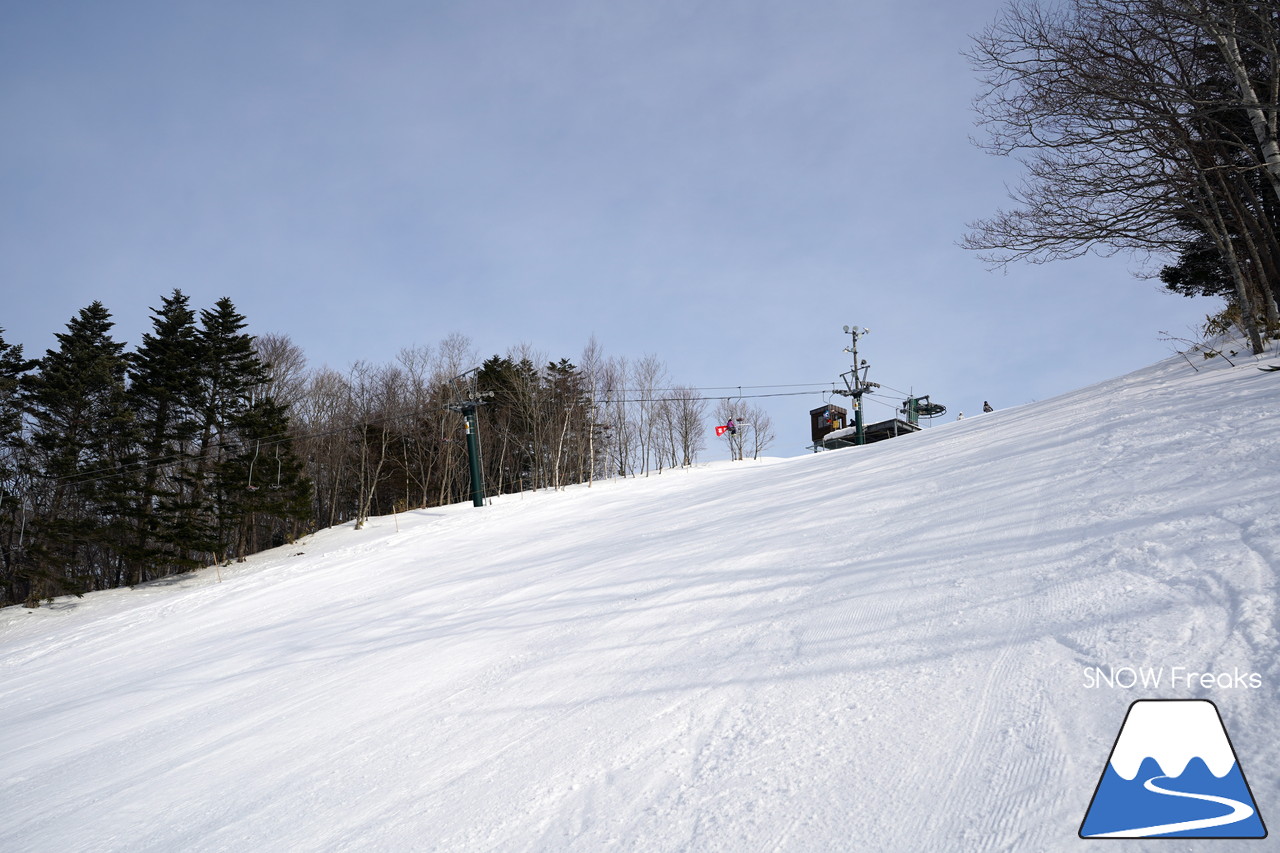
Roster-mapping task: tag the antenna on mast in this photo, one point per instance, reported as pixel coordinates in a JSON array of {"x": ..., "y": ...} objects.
[{"x": 855, "y": 381}]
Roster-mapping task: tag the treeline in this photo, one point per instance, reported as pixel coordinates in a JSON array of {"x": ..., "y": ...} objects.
[
  {"x": 206, "y": 444},
  {"x": 1151, "y": 126},
  {"x": 119, "y": 468},
  {"x": 383, "y": 438}
]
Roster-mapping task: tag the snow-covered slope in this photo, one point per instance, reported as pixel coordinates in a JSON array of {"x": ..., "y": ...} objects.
[{"x": 896, "y": 647}]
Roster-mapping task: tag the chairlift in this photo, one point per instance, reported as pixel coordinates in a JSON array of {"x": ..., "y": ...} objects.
[
  {"x": 256, "y": 447},
  {"x": 731, "y": 426},
  {"x": 279, "y": 468}
]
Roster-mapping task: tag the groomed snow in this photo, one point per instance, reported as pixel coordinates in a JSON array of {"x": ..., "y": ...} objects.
[{"x": 882, "y": 648}]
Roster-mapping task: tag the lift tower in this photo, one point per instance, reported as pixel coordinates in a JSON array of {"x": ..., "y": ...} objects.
[{"x": 855, "y": 381}]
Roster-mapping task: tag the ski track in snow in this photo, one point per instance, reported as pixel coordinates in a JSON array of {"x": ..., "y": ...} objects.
[{"x": 880, "y": 648}]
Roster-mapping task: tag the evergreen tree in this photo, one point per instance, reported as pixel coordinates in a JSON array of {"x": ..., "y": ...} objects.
[
  {"x": 232, "y": 366},
  {"x": 1249, "y": 214},
  {"x": 1200, "y": 271},
  {"x": 230, "y": 372},
  {"x": 164, "y": 391},
  {"x": 83, "y": 441},
  {"x": 511, "y": 389},
  {"x": 571, "y": 413},
  {"x": 12, "y": 367},
  {"x": 542, "y": 423}
]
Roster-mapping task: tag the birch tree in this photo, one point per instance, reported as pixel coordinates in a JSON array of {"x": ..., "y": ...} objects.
[
  {"x": 687, "y": 411},
  {"x": 1238, "y": 29},
  {"x": 1109, "y": 105}
]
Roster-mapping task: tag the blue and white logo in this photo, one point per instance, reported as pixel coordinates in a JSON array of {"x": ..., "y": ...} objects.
[{"x": 1172, "y": 774}]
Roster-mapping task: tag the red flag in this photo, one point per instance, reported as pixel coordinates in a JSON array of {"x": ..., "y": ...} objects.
[{"x": 720, "y": 428}]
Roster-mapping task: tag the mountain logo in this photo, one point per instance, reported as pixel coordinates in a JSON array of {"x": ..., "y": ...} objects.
[{"x": 1172, "y": 773}]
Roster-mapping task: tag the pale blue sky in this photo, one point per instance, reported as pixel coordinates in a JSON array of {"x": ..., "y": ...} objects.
[{"x": 721, "y": 184}]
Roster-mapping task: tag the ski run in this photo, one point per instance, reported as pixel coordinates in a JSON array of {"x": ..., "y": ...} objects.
[{"x": 928, "y": 643}]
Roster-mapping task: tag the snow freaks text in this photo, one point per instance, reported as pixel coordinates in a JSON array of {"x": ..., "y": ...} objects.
[{"x": 1173, "y": 677}]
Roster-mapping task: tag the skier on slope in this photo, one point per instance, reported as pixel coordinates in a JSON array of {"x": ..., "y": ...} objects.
[{"x": 986, "y": 407}]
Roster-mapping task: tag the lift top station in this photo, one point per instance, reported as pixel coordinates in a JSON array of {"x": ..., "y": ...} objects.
[{"x": 831, "y": 428}]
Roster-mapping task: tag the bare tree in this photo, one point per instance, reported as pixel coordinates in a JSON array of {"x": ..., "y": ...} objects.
[
  {"x": 1127, "y": 144},
  {"x": 592, "y": 362},
  {"x": 381, "y": 438},
  {"x": 323, "y": 420},
  {"x": 647, "y": 378},
  {"x": 377, "y": 403},
  {"x": 752, "y": 432},
  {"x": 760, "y": 433},
  {"x": 1237, "y": 28},
  {"x": 734, "y": 438},
  {"x": 286, "y": 367},
  {"x": 620, "y": 431},
  {"x": 687, "y": 412}
]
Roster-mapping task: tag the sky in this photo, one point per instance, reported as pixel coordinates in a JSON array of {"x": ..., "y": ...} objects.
[{"x": 722, "y": 185}]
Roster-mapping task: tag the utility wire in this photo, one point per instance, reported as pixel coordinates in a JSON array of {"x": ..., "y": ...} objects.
[
  {"x": 720, "y": 396},
  {"x": 709, "y": 388},
  {"x": 139, "y": 466}
]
